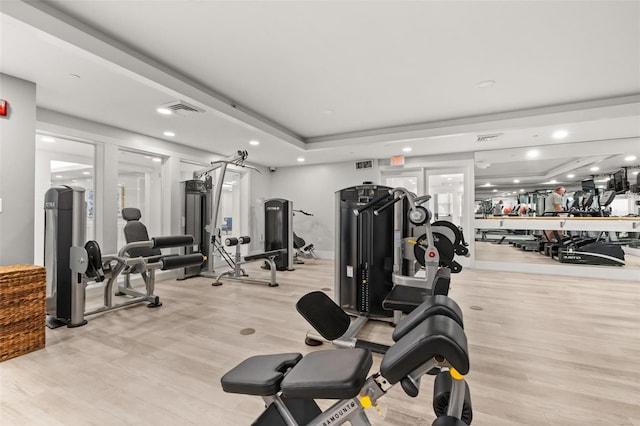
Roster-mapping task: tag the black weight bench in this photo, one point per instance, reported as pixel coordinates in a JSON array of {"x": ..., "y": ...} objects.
[
  {"x": 237, "y": 272},
  {"x": 289, "y": 383}
]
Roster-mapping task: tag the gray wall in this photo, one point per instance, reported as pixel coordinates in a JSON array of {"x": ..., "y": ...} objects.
[
  {"x": 312, "y": 188},
  {"x": 17, "y": 171}
]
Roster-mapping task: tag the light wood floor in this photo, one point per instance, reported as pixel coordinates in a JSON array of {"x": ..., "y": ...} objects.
[
  {"x": 505, "y": 252},
  {"x": 544, "y": 351}
]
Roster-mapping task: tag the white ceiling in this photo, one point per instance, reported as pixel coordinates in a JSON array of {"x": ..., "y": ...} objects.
[{"x": 338, "y": 81}]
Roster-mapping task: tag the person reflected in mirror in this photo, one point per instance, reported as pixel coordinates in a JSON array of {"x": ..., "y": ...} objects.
[
  {"x": 553, "y": 206},
  {"x": 497, "y": 209}
]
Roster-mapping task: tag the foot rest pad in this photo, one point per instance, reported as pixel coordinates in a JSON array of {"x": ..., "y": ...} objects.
[
  {"x": 405, "y": 298},
  {"x": 331, "y": 374},
  {"x": 259, "y": 375}
]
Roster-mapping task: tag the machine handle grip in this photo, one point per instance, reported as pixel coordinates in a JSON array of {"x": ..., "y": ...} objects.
[
  {"x": 369, "y": 204},
  {"x": 173, "y": 262},
  {"x": 388, "y": 204},
  {"x": 172, "y": 241}
]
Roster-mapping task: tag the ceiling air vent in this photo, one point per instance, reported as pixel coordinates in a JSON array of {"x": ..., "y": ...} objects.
[
  {"x": 364, "y": 164},
  {"x": 182, "y": 108},
  {"x": 489, "y": 138}
]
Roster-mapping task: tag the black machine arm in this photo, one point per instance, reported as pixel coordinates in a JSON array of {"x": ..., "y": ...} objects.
[{"x": 369, "y": 204}]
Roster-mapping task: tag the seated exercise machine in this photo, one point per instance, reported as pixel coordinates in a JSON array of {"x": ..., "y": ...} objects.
[
  {"x": 71, "y": 264},
  {"x": 289, "y": 383},
  {"x": 237, "y": 272},
  {"x": 300, "y": 245},
  {"x": 377, "y": 270}
]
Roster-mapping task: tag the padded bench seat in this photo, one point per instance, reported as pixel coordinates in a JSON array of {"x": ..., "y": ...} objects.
[
  {"x": 259, "y": 375},
  {"x": 328, "y": 374},
  {"x": 265, "y": 255}
]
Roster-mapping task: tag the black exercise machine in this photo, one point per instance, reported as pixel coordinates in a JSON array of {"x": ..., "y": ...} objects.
[
  {"x": 71, "y": 264},
  {"x": 289, "y": 383},
  {"x": 376, "y": 269}
]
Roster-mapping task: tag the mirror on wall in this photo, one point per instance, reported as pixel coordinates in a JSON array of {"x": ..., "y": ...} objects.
[{"x": 523, "y": 177}]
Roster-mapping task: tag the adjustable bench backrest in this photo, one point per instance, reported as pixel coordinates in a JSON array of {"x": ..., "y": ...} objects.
[{"x": 134, "y": 231}]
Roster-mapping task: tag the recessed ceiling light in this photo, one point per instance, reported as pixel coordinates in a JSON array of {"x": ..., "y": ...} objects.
[
  {"x": 406, "y": 149},
  {"x": 495, "y": 190},
  {"x": 560, "y": 134},
  {"x": 522, "y": 190},
  {"x": 571, "y": 176},
  {"x": 487, "y": 184},
  {"x": 486, "y": 83},
  {"x": 594, "y": 169},
  {"x": 533, "y": 153},
  {"x": 449, "y": 178},
  {"x": 170, "y": 134},
  {"x": 635, "y": 173},
  {"x": 254, "y": 142},
  {"x": 156, "y": 160},
  {"x": 300, "y": 159},
  {"x": 164, "y": 111},
  {"x": 516, "y": 181},
  {"x": 630, "y": 158},
  {"x": 553, "y": 181},
  {"x": 86, "y": 173},
  {"x": 47, "y": 139},
  {"x": 59, "y": 176}
]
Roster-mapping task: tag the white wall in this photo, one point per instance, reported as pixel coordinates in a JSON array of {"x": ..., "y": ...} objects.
[
  {"x": 312, "y": 188},
  {"x": 17, "y": 171}
]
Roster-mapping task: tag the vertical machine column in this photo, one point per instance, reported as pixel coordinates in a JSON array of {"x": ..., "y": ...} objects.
[
  {"x": 65, "y": 226},
  {"x": 278, "y": 231},
  {"x": 364, "y": 251},
  {"x": 196, "y": 215}
]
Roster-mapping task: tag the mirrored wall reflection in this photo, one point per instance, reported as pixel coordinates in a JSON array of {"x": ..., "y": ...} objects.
[
  {"x": 59, "y": 162},
  {"x": 140, "y": 186},
  {"x": 522, "y": 178}
]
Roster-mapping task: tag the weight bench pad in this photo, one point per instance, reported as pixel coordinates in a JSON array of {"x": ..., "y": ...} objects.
[
  {"x": 265, "y": 255},
  {"x": 331, "y": 374},
  {"x": 259, "y": 375},
  {"x": 437, "y": 335},
  {"x": 433, "y": 305}
]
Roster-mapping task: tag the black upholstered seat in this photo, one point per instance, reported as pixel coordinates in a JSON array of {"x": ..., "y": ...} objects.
[
  {"x": 328, "y": 375},
  {"x": 259, "y": 375},
  {"x": 134, "y": 231}
]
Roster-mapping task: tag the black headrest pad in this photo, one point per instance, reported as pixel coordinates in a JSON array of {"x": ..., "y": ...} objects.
[{"x": 131, "y": 213}]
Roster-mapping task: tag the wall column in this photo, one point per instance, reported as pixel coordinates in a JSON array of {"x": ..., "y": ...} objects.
[{"x": 17, "y": 171}]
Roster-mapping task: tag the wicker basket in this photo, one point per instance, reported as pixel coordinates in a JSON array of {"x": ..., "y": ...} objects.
[{"x": 22, "y": 309}]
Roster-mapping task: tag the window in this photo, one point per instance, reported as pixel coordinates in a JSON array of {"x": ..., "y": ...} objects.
[{"x": 140, "y": 186}]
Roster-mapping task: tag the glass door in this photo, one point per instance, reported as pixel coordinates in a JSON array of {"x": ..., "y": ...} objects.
[{"x": 450, "y": 201}]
